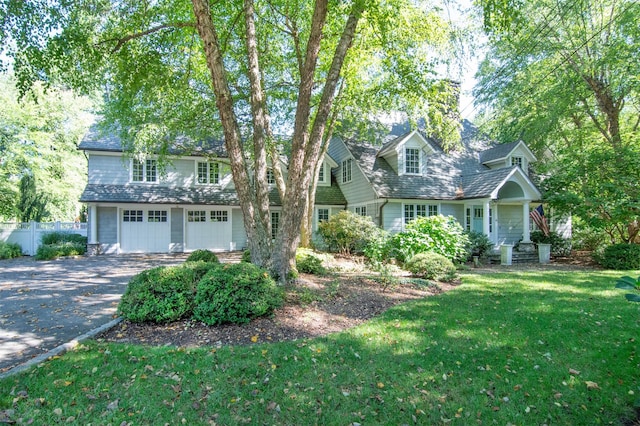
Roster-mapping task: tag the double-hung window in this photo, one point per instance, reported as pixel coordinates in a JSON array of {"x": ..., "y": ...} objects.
[
  {"x": 347, "y": 165},
  {"x": 362, "y": 211},
  {"x": 144, "y": 171},
  {"x": 412, "y": 161},
  {"x": 323, "y": 215},
  {"x": 208, "y": 173},
  {"x": 412, "y": 211},
  {"x": 275, "y": 224}
]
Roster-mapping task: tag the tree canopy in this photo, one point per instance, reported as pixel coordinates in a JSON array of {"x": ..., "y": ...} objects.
[
  {"x": 244, "y": 70},
  {"x": 563, "y": 76},
  {"x": 42, "y": 173}
]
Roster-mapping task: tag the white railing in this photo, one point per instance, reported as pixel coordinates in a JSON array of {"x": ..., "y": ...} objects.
[{"x": 29, "y": 234}]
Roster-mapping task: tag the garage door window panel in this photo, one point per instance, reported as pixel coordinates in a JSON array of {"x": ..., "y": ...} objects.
[{"x": 132, "y": 216}]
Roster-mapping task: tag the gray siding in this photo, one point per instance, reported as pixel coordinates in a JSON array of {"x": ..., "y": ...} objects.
[
  {"x": 105, "y": 169},
  {"x": 455, "y": 210},
  {"x": 392, "y": 217},
  {"x": 238, "y": 233},
  {"x": 510, "y": 224},
  {"x": 177, "y": 231},
  {"x": 358, "y": 190},
  {"x": 108, "y": 229}
]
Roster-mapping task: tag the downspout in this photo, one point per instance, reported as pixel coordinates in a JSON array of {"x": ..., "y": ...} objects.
[{"x": 380, "y": 221}]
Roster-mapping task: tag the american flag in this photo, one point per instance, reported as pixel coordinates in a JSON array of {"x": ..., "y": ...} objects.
[{"x": 537, "y": 215}]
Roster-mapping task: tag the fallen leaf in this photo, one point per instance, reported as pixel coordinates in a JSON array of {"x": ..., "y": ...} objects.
[
  {"x": 574, "y": 372},
  {"x": 254, "y": 339},
  {"x": 592, "y": 385}
]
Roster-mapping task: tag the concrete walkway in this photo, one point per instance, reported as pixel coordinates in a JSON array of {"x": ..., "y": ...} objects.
[{"x": 45, "y": 304}]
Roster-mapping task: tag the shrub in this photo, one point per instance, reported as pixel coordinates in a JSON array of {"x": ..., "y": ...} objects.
[
  {"x": 629, "y": 283},
  {"x": 246, "y": 256},
  {"x": 54, "y": 251},
  {"x": 203, "y": 256},
  {"x": 163, "y": 294},
  {"x": 10, "y": 250},
  {"x": 559, "y": 246},
  {"x": 620, "y": 256},
  {"x": 479, "y": 244},
  {"x": 236, "y": 293},
  {"x": 308, "y": 262},
  {"x": 347, "y": 232},
  {"x": 439, "y": 234},
  {"x": 63, "y": 237},
  {"x": 378, "y": 248},
  {"x": 431, "y": 266}
]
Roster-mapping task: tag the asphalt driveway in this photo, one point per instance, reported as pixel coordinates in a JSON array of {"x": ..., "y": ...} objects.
[{"x": 45, "y": 304}]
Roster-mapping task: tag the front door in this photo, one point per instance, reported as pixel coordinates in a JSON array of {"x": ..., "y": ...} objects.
[{"x": 477, "y": 219}]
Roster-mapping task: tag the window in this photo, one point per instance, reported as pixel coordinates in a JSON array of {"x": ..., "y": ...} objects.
[
  {"x": 208, "y": 173},
  {"x": 144, "y": 171},
  {"x": 157, "y": 216},
  {"x": 196, "y": 216},
  {"x": 271, "y": 178},
  {"x": 412, "y": 161},
  {"x": 411, "y": 211},
  {"x": 321, "y": 175},
  {"x": 275, "y": 223},
  {"x": 468, "y": 219},
  {"x": 219, "y": 216},
  {"x": 362, "y": 211},
  {"x": 132, "y": 216},
  {"x": 323, "y": 215},
  {"x": 517, "y": 161},
  {"x": 346, "y": 170},
  {"x": 490, "y": 220}
]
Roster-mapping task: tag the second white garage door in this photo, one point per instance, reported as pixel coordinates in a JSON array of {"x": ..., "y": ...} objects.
[{"x": 208, "y": 229}]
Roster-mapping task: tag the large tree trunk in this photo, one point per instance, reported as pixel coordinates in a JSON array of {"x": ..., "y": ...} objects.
[
  {"x": 258, "y": 235},
  {"x": 306, "y": 148}
]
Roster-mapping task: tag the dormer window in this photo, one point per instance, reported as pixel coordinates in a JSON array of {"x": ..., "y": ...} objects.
[
  {"x": 208, "y": 173},
  {"x": 271, "y": 178},
  {"x": 517, "y": 161},
  {"x": 412, "y": 161},
  {"x": 144, "y": 171}
]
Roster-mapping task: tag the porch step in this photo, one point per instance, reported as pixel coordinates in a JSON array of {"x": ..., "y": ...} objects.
[{"x": 516, "y": 257}]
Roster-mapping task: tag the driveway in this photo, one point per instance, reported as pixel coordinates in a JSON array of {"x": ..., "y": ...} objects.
[{"x": 44, "y": 304}]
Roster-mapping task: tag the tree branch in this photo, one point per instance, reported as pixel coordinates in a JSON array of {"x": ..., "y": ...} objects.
[{"x": 122, "y": 41}]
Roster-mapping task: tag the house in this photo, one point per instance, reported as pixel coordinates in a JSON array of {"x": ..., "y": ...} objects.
[{"x": 133, "y": 207}]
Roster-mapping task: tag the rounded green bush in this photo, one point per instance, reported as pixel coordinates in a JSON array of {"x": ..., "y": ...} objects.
[
  {"x": 431, "y": 266},
  {"x": 236, "y": 293},
  {"x": 10, "y": 250},
  {"x": 204, "y": 256},
  {"x": 308, "y": 263},
  {"x": 621, "y": 256},
  {"x": 163, "y": 294},
  {"x": 347, "y": 232}
]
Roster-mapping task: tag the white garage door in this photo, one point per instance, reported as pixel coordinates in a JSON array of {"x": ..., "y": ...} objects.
[
  {"x": 208, "y": 229},
  {"x": 145, "y": 231}
]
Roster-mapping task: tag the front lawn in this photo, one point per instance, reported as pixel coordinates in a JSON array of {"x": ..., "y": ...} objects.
[{"x": 520, "y": 348}]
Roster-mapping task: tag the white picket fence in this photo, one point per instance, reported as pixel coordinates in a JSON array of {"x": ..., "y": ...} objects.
[{"x": 29, "y": 234}]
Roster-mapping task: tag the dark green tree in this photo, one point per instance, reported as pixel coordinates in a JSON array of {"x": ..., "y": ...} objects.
[{"x": 31, "y": 204}]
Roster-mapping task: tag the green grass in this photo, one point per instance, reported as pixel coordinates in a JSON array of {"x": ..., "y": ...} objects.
[{"x": 503, "y": 348}]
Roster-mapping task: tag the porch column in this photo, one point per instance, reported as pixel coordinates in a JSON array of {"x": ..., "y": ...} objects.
[
  {"x": 485, "y": 218},
  {"x": 93, "y": 223},
  {"x": 526, "y": 235}
]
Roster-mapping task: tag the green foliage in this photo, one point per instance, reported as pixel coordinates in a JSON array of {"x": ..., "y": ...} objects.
[
  {"x": 246, "y": 256},
  {"x": 38, "y": 146},
  {"x": 163, "y": 294},
  {"x": 63, "y": 237},
  {"x": 308, "y": 262},
  {"x": 438, "y": 234},
  {"x": 236, "y": 293},
  {"x": 587, "y": 238},
  {"x": 479, "y": 244},
  {"x": 54, "y": 251},
  {"x": 431, "y": 266},
  {"x": 559, "y": 246},
  {"x": 10, "y": 250},
  {"x": 629, "y": 283},
  {"x": 348, "y": 233},
  {"x": 203, "y": 255},
  {"x": 621, "y": 256},
  {"x": 378, "y": 249}
]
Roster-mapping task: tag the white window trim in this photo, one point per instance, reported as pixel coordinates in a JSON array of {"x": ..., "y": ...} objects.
[
  {"x": 347, "y": 172},
  {"x": 144, "y": 171},
  {"x": 419, "y": 166},
  {"x": 326, "y": 173},
  {"x": 208, "y": 173}
]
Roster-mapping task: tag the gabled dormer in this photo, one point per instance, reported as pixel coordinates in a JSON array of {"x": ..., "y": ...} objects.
[
  {"x": 508, "y": 155},
  {"x": 327, "y": 164},
  {"x": 408, "y": 154}
]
